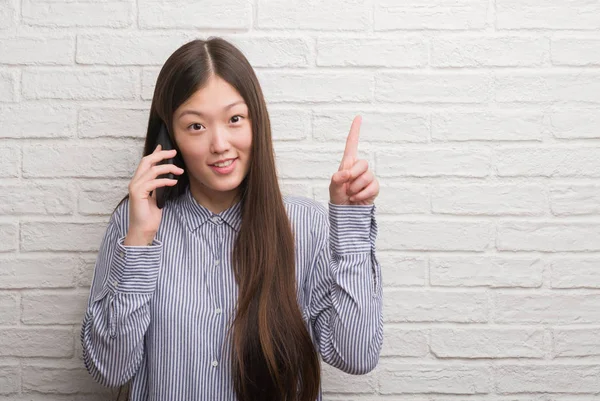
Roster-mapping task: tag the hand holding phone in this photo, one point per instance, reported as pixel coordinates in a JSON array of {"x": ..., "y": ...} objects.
[
  {"x": 164, "y": 141},
  {"x": 153, "y": 174}
]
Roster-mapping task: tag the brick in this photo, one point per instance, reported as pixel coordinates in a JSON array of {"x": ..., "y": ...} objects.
[
  {"x": 61, "y": 236},
  {"x": 548, "y": 236},
  {"x": 110, "y": 122},
  {"x": 576, "y": 342},
  {"x": 496, "y": 51},
  {"x": 10, "y": 378},
  {"x": 274, "y": 52},
  {"x": 149, "y": 77},
  {"x": 433, "y": 87},
  {"x": 298, "y": 188},
  {"x": 101, "y": 197},
  {"x": 575, "y": 272},
  {"x": 54, "y": 307},
  {"x": 128, "y": 49},
  {"x": 366, "y": 52},
  {"x": 571, "y": 378},
  {"x": 37, "y": 50},
  {"x": 404, "y": 342},
  {"x": 404, "y": 305},
  {"x": 424, "y": 378},
  {"x": 55, "y": 377},
  {"x": 390, "y": 126},
  {"x": 9, "y": 234},
  {"x": 489, "y": 199},
  {"x": 402, "y": 199},
  {"x": 434, "y": 162},
  {"x": 10, "y": 161},
  {"x": 37, "y": 121},
  {"x": 487, "y": 126},
  {"x": 574, "y": 199},
  {"x": 109, "y": 14},
  {"x": 546, "y": 308},
  {"x": 487, "y": 343},
  {"x": 551, "y": 14},
  {"x": 80, "y": 84},
  {"x": 85, "y": 270},
  {"x": 402, "y": 270},
  {"x": 80, "y": 161},
  {"x": 316, "y": 87},
  {"x": 36, "y": 342},
  {"x": 8, "y": 15},
  {"x": 36, "y": 198},
  {"x": 307, "y": 163},
  {"x": 231, "y": 14},
  {"x": 282, "y": 128},
  {"x": 8, "y": 83},
  {"x": 544, "y": 87},
  {"x": 26, "y": 271},
  {"x": 576, "y": 51},
  {"x": 332, "y": 15},
  {"x": 486, "y": 271},
  {"x": 574, "y": 124},
  {"x": 437, "y": 235},
  {"x": 9, "y": 309},
  {"x": 334, "y": 380},
  {"x": 436, "y": 14},
  {"x": 548, "y": 162},
  {"x": 321, "y": 193}
]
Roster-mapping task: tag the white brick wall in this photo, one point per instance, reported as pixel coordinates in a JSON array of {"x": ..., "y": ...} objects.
[{"x": 480, "y": 117}]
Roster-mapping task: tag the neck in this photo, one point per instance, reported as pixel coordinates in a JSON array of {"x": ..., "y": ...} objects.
[{"x": 215, "y": 201}]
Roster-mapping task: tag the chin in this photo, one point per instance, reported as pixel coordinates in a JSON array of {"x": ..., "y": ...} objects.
[{"x": 225, "y": 185}]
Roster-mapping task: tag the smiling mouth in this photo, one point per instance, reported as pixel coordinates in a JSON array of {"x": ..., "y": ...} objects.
[{"x": 224, "y": 164}]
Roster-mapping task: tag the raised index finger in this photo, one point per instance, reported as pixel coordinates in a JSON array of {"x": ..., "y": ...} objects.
[{"x": 351, "y": 150}]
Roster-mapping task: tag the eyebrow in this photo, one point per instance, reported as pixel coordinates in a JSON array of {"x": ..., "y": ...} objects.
[{"x": 200, "y": 114}]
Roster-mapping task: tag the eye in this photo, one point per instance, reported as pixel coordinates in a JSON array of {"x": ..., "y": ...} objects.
[
  {"x": 237, "y": 120},
  {"x": 195, "y": 126}
]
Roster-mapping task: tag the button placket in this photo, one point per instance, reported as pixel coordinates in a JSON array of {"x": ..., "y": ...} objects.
[{"x": 216, "y": 279}]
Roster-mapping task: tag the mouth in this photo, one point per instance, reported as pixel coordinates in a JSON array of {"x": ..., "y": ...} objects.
[
  {"x": 224, "y": 167},
  {"x": 223, "y": 163}
]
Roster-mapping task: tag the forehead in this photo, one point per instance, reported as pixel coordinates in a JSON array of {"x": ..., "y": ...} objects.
[{"x": 212, "y": 98}]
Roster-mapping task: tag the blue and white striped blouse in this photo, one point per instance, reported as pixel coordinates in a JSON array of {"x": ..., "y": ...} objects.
[{"x": 159, "y": 313}]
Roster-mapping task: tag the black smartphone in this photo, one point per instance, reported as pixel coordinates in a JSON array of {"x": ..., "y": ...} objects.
[{"x": 165, "y": 141}]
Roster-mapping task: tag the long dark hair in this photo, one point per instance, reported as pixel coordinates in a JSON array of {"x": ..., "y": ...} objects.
[{"x": 273, "y": 357}]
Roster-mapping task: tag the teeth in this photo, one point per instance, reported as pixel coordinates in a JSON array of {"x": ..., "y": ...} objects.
[{"x": 224, "y": 164}]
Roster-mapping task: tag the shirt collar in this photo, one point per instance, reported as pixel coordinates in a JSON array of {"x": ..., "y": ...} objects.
[{"x": 196, "y": 214}]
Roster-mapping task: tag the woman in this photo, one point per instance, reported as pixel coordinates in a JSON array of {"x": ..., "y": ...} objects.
[{"x": 231, "y": 291}]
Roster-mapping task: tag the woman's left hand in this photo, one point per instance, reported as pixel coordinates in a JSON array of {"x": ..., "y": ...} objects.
[{"x": 354, "y": 183}]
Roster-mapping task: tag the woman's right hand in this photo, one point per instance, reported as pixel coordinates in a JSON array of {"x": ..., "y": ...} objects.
[{"x": 144, "y": 215}]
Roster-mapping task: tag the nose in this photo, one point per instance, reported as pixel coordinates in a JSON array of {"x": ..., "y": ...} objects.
[{"x": 219, "y": 141}]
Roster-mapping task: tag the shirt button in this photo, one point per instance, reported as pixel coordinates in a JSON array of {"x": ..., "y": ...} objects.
[
  {"x": 217, "y": 262},
  {"x": 216, "y": 219},
  {"x": 122, "y": 254},
  {"x": 218, "y": 311},
  {"x": 116, "y": 283},
  {"x": 215, "y": 363}
]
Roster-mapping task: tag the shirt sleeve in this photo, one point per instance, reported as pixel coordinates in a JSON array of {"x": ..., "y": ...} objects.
[
  {"x": 117, "y": 314},
  {"x": 345, "y": 303}
]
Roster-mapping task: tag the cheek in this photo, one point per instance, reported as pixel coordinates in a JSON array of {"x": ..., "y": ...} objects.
[
  {"x": 245, "y": 143},
  {"x": 193, "y": 155}
]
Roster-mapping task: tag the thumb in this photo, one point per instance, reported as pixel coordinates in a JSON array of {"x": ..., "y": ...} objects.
[{"x": 341, "y": 177}]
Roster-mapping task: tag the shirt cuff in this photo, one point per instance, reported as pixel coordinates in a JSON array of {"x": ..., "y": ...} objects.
[
  {"x": 135, "y": 268},
  {"x": 352, "y": 228}
]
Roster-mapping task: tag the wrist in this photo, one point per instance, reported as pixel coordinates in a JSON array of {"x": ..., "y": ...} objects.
[{"x": 138, "y": 239}]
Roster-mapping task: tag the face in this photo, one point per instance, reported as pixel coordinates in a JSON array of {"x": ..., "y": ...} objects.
[{"x": 214, "y": 134}]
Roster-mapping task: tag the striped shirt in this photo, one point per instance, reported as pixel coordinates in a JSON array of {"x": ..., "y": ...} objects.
[{"x": 158, "y": 314}]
